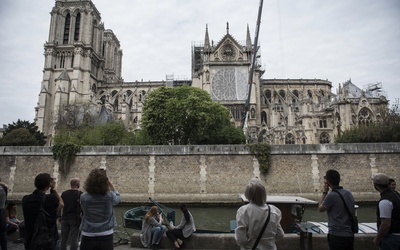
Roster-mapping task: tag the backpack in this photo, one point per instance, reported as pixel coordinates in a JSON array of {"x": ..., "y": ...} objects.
[{"x": 42, "y": 238}]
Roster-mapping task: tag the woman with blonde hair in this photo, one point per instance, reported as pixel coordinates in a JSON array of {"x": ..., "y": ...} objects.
[
  {"x": 152, "y": 229},
  {"x": 258, "y": 224},
  {"x": 98, "y": 219}
]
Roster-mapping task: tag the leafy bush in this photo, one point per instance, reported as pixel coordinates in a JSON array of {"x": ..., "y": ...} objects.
[{"x": 262, "y": 152}]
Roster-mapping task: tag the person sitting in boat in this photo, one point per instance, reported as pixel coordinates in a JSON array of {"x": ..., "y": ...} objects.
[
  {"x": 258, "y": 223},
  {"x": 184, "y": 230},
  {"x": 152, "y": 229}
]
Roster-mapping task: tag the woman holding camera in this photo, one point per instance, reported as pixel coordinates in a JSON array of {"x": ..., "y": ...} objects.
[{"x": 98, "y": 219}]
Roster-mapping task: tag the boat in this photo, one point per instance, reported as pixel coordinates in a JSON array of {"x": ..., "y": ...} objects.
[
  {"x": 322, "y": 227},
  {"x": 133, "y": 217}
]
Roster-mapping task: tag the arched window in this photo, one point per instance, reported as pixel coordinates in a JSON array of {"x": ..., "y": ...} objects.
[
  {"x": 114, "y": 93},
  {"x": 264, "y": 117},
  {"x": 62, "y": 60},
  {"x": 268, "y": 96},
  {"x": 77, "y": 26},
  {"x": 116, "y": 104},
  {"x": 324, "y": 138},
  {"x": 309, "y": 92},
  {"x": 282, "y": 93},
  {"x": 296, "y": 93},
  {"x": 289, "y": 139},
  {"x": 94, "y": 88},
  {"x": 66, "y": 28},
  {"x": 323, "y": 123},
  {"x": 365, "y": 116},
  {"x": 142, "y": 95},
  {"x": 252, "y": 113}
]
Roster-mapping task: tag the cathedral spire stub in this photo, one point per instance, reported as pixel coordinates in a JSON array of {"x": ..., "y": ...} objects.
[
  {"x": 248, "y": 38},
  {"x": 227, "y": 27},
  {"x": 206, "y": 39}
]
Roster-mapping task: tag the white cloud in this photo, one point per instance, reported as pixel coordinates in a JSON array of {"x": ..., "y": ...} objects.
[{"x": 333, "y": 39}]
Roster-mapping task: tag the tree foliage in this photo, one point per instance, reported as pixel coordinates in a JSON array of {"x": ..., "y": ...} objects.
[
  {"x": 386, "y": 130},
  {"x": 187, "y": 115},
  {"x": 262, "y": 152},
  {"x": 20, "y": 137}
]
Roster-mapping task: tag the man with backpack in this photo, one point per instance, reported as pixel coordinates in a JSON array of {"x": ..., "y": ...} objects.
[{"x": 40, "y": 214}]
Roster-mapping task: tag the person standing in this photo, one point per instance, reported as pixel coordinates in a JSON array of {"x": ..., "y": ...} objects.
[
  {"x": 71, "y": 215},
  {"x": 32, "y": 203},
  {"x": 98, "y": 220},
  {"x": 184, "y": 230},
  {"x": 3, "y": 220},
  {"x": 340, "y": 233},
  {"x": 252, "y": 217},
  {"x": 392, "y": 184},
  {"x": 152, "y": 229},
  {"x": 388, "y": 215}
]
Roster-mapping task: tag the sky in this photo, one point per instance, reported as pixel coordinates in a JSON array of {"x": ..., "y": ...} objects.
[{"x": 335, "y": 40}]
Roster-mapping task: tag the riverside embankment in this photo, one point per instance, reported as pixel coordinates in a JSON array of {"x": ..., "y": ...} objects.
[{"x": 207, "y": 173}]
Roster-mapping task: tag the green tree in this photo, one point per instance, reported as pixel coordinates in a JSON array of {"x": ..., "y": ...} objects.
[
  {"x": 19, "y": 137},
  {"x": 386, "y": 130},
  {"x": 187, "y": 115},
  {"x": 31, "y": 127}
]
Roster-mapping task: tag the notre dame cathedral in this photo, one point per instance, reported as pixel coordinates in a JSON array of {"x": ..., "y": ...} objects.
[{"x": 83, "y": 67}]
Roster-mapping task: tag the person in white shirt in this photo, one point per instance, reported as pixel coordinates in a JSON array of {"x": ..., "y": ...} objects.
[{"x": 252, "y": 216}]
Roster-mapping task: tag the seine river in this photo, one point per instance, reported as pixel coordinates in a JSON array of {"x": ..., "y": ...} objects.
[{"x": 217, "y": 218}]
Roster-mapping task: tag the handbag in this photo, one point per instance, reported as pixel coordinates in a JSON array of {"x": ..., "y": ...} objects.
[
  {"x": 353, "y": 218},
  {"x": 262, "y": 230}
]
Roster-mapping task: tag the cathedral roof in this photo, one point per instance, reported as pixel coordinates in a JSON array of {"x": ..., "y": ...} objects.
[{"x": 105, "y": 115}]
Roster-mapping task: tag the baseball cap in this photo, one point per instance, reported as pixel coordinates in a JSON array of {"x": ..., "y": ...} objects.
[{"x": 381, "y": 179}]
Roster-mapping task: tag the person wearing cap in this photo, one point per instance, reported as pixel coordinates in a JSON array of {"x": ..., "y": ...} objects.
[
  {"x": 388, "y": 215},
  {"x": 392, "y": 184},
  {"x": 340, "y": 235}
]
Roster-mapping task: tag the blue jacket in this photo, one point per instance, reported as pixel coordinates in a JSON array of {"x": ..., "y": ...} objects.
[{"x": 98, "y": 211}]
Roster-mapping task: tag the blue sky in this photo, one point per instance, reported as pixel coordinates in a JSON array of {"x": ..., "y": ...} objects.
[{"x": 333, "y": 39}]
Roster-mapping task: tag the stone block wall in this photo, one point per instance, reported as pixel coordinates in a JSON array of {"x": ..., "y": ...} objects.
[{"x": 207, "y": 174}]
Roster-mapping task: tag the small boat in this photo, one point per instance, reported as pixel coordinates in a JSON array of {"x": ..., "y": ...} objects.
[{"x": 133, "y": 218}]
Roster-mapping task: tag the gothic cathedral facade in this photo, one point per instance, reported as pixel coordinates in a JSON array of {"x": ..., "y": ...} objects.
[{"x": 83, "y": 63}]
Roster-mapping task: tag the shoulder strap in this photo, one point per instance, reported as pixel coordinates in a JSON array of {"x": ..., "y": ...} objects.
[
  {"x": 344, "y": 203},
  {"x": 263, "y": 229}
]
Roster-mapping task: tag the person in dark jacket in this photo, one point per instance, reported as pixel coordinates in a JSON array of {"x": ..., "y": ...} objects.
[
  {"x": 32, "y": 203},
  {"x": 388, "y": 215}
]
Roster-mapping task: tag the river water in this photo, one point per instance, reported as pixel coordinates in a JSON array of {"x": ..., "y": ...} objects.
[{"x": 217, "y": 218}]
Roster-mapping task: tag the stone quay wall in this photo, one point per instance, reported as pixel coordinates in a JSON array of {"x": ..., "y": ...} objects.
[{"x": 206, "y": 173}]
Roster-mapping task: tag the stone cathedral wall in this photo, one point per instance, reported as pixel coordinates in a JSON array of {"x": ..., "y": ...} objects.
[{"x": 207, "y": 173}]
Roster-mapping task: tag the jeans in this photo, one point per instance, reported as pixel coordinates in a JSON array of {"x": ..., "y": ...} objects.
[
  {"x": 174, "y": 234},
  {"x": 97, "y": 243},
  {"x": 69, "y": 230},
  {"x": 3, "y": 229},
  {"x": 340, "y": 243},
  {"x": 157, "y": 234},
  {"x": 390, "y": 242}
]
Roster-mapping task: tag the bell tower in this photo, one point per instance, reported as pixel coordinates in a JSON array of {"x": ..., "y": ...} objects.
[{"x": 80, "y": 56}]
